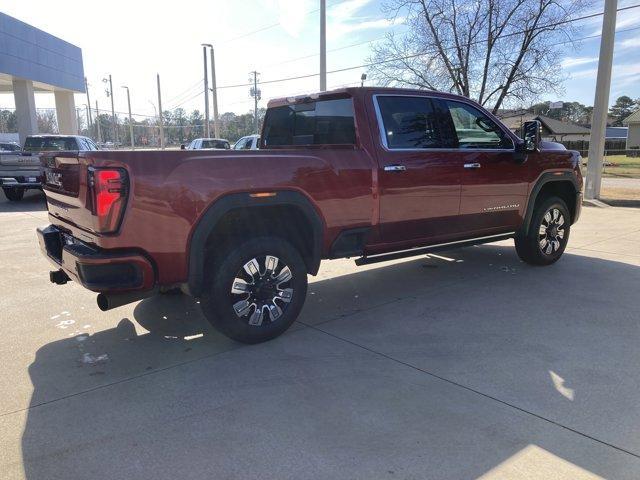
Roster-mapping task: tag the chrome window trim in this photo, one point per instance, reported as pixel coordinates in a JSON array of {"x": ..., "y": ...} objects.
[{"x": 383, "y": 134}]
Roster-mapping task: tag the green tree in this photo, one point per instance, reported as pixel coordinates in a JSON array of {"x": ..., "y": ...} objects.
[{"x": 623, "y": 107}]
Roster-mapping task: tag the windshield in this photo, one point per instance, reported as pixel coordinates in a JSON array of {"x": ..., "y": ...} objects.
[
  {"x": 41, "y": 144},
  {"x": 9, "y": 147}
]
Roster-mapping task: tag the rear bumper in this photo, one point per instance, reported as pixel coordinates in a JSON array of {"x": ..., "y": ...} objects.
[
  {"x": 21, "y": 178},
  {"x": 95, "y": 269}
]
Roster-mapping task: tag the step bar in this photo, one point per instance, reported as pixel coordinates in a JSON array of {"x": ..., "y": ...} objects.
[{"x": 413, "y": 252}]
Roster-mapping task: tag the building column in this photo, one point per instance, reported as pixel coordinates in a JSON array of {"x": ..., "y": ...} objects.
[
  {"x": 66, "y": 112},
  {"x": 25, "y": 108}
]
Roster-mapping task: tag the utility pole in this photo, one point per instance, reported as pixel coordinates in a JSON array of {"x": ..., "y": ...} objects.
[
  {"x": 256, "y": 94},
  {"x": 323, "y": 45},
  {"x": 160, "y": 108},
  {"x": 86, "y": 88},
  {"x": 78, "y": 120},
  {"x": 114, "y": 123},
  {"x": 133, "y": 144},
  {"x": 214, "y": 92},
  {"x": 88, "y": 113},
  {"x": 601, "y": 102},
  {"x": 206, "y": 92},
  {"x": 98, "y": 123}
]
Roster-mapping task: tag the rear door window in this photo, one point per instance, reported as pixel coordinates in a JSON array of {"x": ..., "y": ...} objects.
[
  {"x": 409, "y": 122},
  {"x": 325, "y": 122}
]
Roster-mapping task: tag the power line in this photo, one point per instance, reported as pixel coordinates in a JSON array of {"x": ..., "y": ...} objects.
[
  {"x": 269, "y": 27},
  {"x": 186, "y": 90},
  {"x": 407, "y": 57},
  {"x": 188, "y": 99}
]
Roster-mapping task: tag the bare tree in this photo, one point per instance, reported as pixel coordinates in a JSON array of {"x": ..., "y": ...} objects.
[{"x": 494, "y": 51}]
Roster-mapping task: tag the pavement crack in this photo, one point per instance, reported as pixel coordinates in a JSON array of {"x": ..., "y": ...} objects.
[{"x": 473, "y": 390}]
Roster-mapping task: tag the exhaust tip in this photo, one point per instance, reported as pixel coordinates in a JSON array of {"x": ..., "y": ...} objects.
[
  {"x": 109, "y": 301},
  {"x": 103, "y": 302}
]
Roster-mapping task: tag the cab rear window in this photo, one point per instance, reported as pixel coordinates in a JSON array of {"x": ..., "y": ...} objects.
[
  {"x": 325, "y": 122},
  {"x": 41, "y": 144}
]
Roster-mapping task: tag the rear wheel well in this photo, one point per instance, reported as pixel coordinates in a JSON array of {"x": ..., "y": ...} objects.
[
  {"x": 285, "y": 221},
  {"x": 562, "y": 189}
]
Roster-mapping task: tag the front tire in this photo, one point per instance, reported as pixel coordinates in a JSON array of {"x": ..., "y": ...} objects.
[
  {"x": 548, "y": 233},
  {"x": 255, "y": 290},
  {"x": 13, "y": 194}
]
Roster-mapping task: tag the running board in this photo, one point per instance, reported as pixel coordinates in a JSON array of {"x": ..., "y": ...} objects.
[{"x": 384, "y": 257}]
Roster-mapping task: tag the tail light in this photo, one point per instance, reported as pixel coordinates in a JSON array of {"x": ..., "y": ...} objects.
[{"x": 109, "y": 187}]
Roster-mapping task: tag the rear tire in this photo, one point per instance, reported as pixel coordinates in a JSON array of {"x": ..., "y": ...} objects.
[
  {"x": 13, "y": 194},
  {"x": 548, "y": 233},
  {"x": 255, "y": 290}
]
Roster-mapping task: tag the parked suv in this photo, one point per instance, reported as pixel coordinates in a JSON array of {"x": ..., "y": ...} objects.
[{"x": 370, "y": 173}]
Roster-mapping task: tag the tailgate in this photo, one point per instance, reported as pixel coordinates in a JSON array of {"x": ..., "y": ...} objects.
[
  {"x": 65, "y": 185},
  {"x": 19, "y": 161}
]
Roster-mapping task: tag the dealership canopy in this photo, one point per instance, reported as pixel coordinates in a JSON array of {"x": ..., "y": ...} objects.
[{"x": 32, "y": 60}]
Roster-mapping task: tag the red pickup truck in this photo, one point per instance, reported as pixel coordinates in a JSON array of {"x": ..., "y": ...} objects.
[{"x": 371, "y": 173}]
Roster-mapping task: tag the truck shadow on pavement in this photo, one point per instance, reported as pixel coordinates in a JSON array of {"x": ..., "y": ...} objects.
[
  {"x": 472, "y": 330},
  {"x": 33, "y": 201}
]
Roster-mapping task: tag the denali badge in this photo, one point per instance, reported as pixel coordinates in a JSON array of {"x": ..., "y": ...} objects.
[
  {"x": 54, "y": 179},
  {"x": 502, "y": 207}
]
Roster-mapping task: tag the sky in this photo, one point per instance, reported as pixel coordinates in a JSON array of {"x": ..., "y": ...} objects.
[{"x": 134, "y": 40}]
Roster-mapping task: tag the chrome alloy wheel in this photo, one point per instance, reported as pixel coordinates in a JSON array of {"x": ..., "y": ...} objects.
[
  {"x": 261, "y": 290},
  {"x": 551, "y": 232}
]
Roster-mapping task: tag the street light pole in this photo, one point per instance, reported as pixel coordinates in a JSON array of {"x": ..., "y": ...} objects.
[
  {"x": 601, "y": 102},
  {"x": 323, "y": 45},
  {"x": 133, "y": 145},
  {"x": 160, "y": 108},
  {"x": 214, "y": 92},
  {"x": 206, "y": 91}
]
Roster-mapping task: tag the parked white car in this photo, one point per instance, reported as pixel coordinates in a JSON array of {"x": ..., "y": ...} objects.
[{"x": 250, "y": 142}]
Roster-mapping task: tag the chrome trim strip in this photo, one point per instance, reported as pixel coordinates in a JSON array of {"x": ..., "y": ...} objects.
[
  {"x": 383, "y": 135},
  {"x": 442, "y": 244}
]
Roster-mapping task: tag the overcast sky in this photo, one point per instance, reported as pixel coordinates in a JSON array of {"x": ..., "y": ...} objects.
[{"x": 134, "y": 40}]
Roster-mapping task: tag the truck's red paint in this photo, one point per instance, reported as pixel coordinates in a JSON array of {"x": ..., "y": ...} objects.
[{"x": 436, "y": 200}]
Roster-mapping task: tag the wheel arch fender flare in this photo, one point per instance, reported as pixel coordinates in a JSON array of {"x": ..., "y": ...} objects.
[
  {"x": 545, "y": 179},
  {"x": 220, "y": 207}
]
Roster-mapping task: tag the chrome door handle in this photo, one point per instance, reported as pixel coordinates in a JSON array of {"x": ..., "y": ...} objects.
[
  {"x": 394, "y": 168},
  {"x": 472, "y": 165}
]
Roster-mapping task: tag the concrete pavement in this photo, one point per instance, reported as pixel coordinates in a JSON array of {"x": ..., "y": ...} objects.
[{"x": 466, "y": 364}]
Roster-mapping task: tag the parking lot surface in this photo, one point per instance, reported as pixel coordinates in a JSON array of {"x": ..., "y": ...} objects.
[{"x": 466, "y": 364}]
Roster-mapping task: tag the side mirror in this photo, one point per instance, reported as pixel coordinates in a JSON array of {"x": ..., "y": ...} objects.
[
  {"x": 531, "y": 135},
  {"x": 183, "y": 146}
]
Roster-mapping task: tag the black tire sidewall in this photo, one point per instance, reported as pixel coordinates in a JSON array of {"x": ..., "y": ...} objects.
[
  {"x": 13, "y": 194},
  {"x": 222, "y": 269}
]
